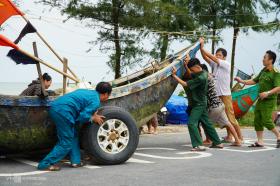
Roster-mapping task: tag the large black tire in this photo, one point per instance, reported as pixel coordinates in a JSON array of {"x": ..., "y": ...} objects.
[{"x": 90, "y": 142}]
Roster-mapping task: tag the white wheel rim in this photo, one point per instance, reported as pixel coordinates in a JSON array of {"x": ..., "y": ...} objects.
[{"x": 113, "y": 136}]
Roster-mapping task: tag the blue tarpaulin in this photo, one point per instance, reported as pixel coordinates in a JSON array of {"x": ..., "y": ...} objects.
[{"x": 177, "y": 106}]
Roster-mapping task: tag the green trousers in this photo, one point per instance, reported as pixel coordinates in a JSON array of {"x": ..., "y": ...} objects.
[
  {"x": 263, "y": 114},
  {"x": 200, "y": 113}
]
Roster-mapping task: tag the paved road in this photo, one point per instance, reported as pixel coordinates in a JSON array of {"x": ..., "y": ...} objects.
[{"x": 164, "y": 159}]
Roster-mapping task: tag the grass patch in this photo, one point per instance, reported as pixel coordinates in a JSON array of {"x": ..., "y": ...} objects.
[{"x": 247, "y": 120}]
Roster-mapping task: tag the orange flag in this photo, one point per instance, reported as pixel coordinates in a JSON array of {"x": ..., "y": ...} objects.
[
  {"x": 6, "y": 42},
  {"x": 8, "y": 9}
]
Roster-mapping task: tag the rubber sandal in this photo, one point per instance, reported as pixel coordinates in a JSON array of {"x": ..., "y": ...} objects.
[
  {"x": 77, "y": 165},
  {"x": 216, "y": 147},
  {"x": 52, "y": 168},
  {"x": 198, "y": 149},
  {"x": 256, "y": 144},
  {"x": 236, "y": 144}
]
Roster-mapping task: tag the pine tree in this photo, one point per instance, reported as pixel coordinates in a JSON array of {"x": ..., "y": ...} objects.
[
  {"x": 125, "y": 43},
  {"x": 242, "y": 13},
  {"x": 209, "y": 15}
]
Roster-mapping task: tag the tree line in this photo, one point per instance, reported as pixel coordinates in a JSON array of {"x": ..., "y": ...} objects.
[{"x": 126, "y": 23}]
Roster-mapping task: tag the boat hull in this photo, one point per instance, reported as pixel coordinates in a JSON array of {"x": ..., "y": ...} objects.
[{"x": 25, "y": 125}]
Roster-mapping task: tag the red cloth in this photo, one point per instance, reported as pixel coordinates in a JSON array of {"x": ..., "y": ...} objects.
[
  {"x": 8, "y": 9},
  {"x": 6, "y": 42}
]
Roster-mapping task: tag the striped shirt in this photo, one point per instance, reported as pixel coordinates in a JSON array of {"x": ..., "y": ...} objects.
[
  {"x": 213, "y": 100},
  {"x": 34, "y": 89}
]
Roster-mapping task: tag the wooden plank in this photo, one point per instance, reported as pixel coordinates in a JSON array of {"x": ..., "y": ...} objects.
[
  {"x": 39, "y": 69},
  {"x": 65, "y": 65},
  {"x": 48, "y": 65},
  {"x": 53, "y": 51}
]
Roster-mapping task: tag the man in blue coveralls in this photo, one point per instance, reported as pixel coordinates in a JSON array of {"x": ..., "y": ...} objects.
[{"x": 77, "y": 107}]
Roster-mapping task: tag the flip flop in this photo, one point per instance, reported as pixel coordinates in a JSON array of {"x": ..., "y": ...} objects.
[
  {"x": 51, "y": 168},
  {"x": 216, "y": 147},
  {"x": 256, "y": 144},
  {"x": 198, "y": 149},
  {"x": 77, "y": 165}
]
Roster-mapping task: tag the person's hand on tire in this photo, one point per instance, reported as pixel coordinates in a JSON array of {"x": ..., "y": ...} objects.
[{"x": 98, "y": 119}]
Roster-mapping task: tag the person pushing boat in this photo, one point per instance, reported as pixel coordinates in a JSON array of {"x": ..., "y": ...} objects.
[{"x": 67, "y": 112}]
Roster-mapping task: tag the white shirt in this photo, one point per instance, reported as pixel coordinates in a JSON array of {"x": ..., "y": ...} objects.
[{"x": 221, "y": 74}]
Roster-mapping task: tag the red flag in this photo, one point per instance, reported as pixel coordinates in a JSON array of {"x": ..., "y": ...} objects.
[
  {"x": 6, "y": 42},
  {"x": 8, "y": 9}
]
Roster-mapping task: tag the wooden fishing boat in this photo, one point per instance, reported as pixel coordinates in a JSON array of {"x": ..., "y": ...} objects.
[{"x": 25, "y": 125}]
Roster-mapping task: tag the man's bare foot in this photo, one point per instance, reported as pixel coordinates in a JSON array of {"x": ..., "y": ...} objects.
[
  {"x": 227, "y": 140},
  {"x": 236, "y": 144},
  {"x": 150, "y": 132}
]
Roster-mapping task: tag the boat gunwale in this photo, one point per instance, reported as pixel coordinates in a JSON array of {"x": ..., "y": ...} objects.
[
  {"x": 131, "y": 76},
  {"x": 16, "y": 100},
  {"x": 130, "y": 86}
]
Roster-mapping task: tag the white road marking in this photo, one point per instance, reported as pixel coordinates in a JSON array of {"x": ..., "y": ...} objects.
[
  {"x": 266, "y": 139},
  {"x": 155, "y": 148},
  {"x": 22, "y": 174},
  {"x": 91, "y": 167},
  {"x": 248, "y": 151},
  {"x": 201, "y": 155},
  {"x": 134, "y": 160},
  {"x": 27, "y": 162},
  {"x": 85, "y": 166},
  {"x": 250, "y": 141}
]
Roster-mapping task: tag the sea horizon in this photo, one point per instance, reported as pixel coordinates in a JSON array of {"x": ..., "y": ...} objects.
[{"x": 15, "y": 88}]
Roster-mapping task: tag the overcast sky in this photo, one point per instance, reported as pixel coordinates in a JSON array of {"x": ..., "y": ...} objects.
[{"x": 71, "y": 41}]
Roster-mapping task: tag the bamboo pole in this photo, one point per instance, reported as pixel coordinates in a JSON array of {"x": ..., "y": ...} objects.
[
  {"x": 53, "y": 51},
  {"x": 39, "y": 69},
  {"x": 48, "y": 65},
  {"x": 65, "y": 65}
]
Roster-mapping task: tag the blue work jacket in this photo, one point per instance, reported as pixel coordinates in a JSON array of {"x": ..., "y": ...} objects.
[{"x": 77, "y": 106}]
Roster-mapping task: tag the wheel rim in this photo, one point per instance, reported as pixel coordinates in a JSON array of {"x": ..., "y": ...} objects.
[{"x": 113, "y": 136}]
